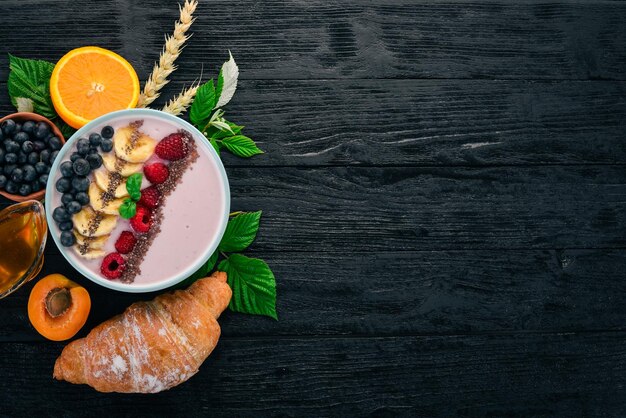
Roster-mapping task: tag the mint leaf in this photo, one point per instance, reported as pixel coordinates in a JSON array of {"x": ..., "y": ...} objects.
[
  {"x": 30, "y": 79},
  {"x": 203, "y": 104},
  {"x": 133, "y": 186},
  {"x": 240, "y": 232},
  {"x": 253, "y": 285},
  {"x": 241, "y": 146},
  {"x": 128, "y": 209}
]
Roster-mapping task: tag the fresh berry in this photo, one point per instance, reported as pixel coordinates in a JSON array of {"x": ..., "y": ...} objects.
[
  {"x": 8, "y": 126},
  {"x": 33, "y": 158},
  {"x": 35, "y": 186},
  {"x": 125, "y": 243},
  {"x": 95, "y": 160},
  {"x": 18, "y": 127},
  {"x": 2, "y": 154},
  {"x": 67, "y": 169},
  {"x": 106, "y": 145},
  {"x": 67, "y": 239},
  {"x": 81, "y": 167},
  {"x": 10, "y": 158},
  {"x": 66, "y": 226},
  {"x": 82, "y": 198},
  {"x": 75, "y": 156},
  {"x": 28, "y": 146},
  {"x": 17, "y": 175},
  {"x": 55, "y": 143},
  {"x": 73, "y": 207},
  {"x": 142, "y": 221},
  {"x": 22, "y": 157},
  {"x": 95, "y": 139},
  {"x": 30, "y": 173},
  {"x": 39, "y": 145},
  {"x": 28, "y": 126},
  {"x": 43, "y": 179},
  {"x": 21, "y": 137},
  {"x": 82, "y": 146},
  {"x": 25, "y": 190},
  {"x": 172, "y": 147},
  {"x": 8, "y": 169},
  {"x": 53, "y": 156},
  {"x": 41, "y": 130},
  {"x": 60, "y": 214},
  {"x": 150, "y": 197},
  {"x": 63, "y": 185},
  {"x": 156, "y": 173},
  {"x": 80, "y": 184},
  {"x": 11, "y": 187},
  {"x": 3, "y": 181},
  {"x": 113, "y": 266},
  {"x": 66, "y": 198},
  {"x": 11, "y": 146},
  {"x": 44, "y": 156},
  {"x": 107, "y": 132}
]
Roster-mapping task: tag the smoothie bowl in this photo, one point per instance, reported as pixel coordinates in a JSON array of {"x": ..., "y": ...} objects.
[{"x": 137, "y": 200}]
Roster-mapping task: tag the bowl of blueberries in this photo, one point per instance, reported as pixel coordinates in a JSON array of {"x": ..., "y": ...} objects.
[{"x": 29, "y": 144}]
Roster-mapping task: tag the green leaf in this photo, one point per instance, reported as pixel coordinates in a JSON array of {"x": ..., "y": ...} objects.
[
  {"x": 203, "y": 104},
  {"x": 133, "y": 186},
  {"x": 241, "y": 146},
  {"x": 240, "y": 232},
  {"x": 128, "y": 209},
  {"x": 31, "y": 79},
  {"x": 253, "y": 285},
  {"x": 215, "y": 133},
  {"x": 215, "y": 145}
]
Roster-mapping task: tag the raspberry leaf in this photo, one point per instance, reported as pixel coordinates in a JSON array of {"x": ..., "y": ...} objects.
[
  {"x": 30, "y": 79},
  {"x": 128, "y": 209},
  {"x": 241, "y": 146},
  {"x": 240, "y": 232},
  {"x": 203, "y": 104},
  {"x": 253, "y": 285},
  {"x": 227, "y": 81}
]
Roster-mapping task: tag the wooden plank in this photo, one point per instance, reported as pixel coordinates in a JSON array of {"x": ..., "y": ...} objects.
[
  {"x": 427, "y": 122},
  {"x": 277, "y": 39},
  {"x": 508, "y": 375},
  {"x": 430, "y": 292}
]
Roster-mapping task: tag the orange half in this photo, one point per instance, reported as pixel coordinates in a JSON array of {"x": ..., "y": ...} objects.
[{"x": 89, "y": 82}]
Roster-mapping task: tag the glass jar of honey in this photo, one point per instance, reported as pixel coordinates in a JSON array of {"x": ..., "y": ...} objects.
[{"x": 23, "y": 231}]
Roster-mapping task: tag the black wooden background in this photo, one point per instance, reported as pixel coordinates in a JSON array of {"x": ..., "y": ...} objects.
[{"x": 444, "y": 197}]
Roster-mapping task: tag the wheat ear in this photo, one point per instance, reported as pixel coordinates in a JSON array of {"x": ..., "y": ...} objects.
[
  {"x": 179, "y": 104},
  {"x": 171, "y": 50}
]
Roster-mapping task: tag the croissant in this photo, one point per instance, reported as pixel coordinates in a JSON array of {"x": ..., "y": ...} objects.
[{"x": 151, "y": 347}]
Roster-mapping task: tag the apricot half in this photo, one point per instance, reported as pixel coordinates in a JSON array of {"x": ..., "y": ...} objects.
[{"x": 58, "y": 308}]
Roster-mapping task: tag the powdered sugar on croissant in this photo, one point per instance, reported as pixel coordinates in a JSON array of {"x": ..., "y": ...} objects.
[{"x": 153, "y": 346}]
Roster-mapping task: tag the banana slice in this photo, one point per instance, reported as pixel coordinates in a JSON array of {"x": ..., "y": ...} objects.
[
  {"x": 83, "y": 222},
  {"x": 95, "y": 200},
  {"x": 90, "y": 254},
  {"x": 126, "y": 169},
  {"x": 103, "y": 178},
  {"x": 95, "y": 243},
  {"x": 140, "y": 151}
]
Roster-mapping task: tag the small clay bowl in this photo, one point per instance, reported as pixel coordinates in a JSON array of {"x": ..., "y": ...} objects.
[{"x": 22, "y": 117}]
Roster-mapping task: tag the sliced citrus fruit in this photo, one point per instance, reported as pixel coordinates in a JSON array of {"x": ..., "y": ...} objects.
[{"x": 90, "y": 81}]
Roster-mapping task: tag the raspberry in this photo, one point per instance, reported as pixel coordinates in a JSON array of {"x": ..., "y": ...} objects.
[
  {"x": 142, "y": 221},
  {"x": 125, "y": 243},
  {"x": 172, "y": 147},
  {"x": 156, "y": 173},
  {"x": 113, "y": 266},
  {"x": 150, "y": 197}
]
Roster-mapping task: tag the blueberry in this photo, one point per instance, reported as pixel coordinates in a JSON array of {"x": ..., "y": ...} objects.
[
  {"x": 55, "y": 143},
  {"x": 17, "y": 175},
  {"x": 80, "y": 183},
  {"x": 25, "y": 190},
  {"x": 73, "y": 207},
  {"x": 8, "y": 169},
  {"x": 63, "y": 184},
  {"x": 66, "y": 226},
  {"x": 18, "y": 127},
  {"x": 22, "y": 157},
  {"x": 21, "y": 137},
  {"x": 67, "y": 238},
  {"x": 41, "y": 130},
  {"x": 39, "y": 145},
  {"x": 53, "y": 156},
  {"x": 95, "y": 160},
  {"x": 3, "y": 181},
  {"x": 32, "y": 158},
  {"x": 42, "y": 168},
  {"x": 106, "y": 145},
  {"x": 95, "y": 139},
  {"x": 27, "y": 146},
  {"x": 81, "y": 167},
  {"x": 67, "y": 169},
  {"x": 35, "y": 186},
  {"x": 8, "y": 126},
  {"x": 107, "y": 132},
  {"x": 43, "y": 179},
  {"x": 30, "y": 173},
  {"x": 82, "y": 146},
  {"x": 28, "y": 126},
  {"x": 75, "y": 156},
  {"x": 45, "y": 156},
  {"x": 11, "y": 146},
  {"x": 1, "y": 135},
  {"x": 10, "y": 158},
  {"x": 60, "y": 214},
  {"x": 11, "y": 187},
  {"x": 66, "y": 198},
  {"x": 2, "y": 153},
  {"x": 82, "y": 198}
]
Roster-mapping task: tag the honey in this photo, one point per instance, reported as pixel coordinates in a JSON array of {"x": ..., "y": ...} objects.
[{"x": 23, "y": 232}]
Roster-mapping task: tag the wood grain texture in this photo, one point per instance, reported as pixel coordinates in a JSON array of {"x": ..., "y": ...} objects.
[
  {"x": 508, "y": 375},
  {"x": 411, "y": 293},
  {"x": 279, "y": 39}
]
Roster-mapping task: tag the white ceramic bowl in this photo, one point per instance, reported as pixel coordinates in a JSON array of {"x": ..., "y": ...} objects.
[{"x": 210, "y": 243}]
